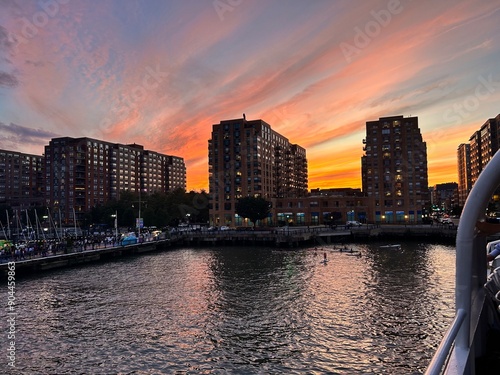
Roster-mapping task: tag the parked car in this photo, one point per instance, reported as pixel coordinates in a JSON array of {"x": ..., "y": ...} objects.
[
  {"x": 224, "y": 227},
  {"x": 353, "y": 224},
  {"x": 447, "y": 221}
]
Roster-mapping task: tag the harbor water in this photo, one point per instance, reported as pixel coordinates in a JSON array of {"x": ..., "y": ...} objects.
[{"x": 238, "y": 310}]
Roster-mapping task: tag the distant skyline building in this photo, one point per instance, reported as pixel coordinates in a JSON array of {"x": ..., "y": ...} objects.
[
  {"x": 21, "y": 180},
  {"x": 464, "y": 172},
  {"x": 248, "y": 158},
  {"x": 476, "y": 163},
  {"x": 394, "y": 169},
  {"x": 445, "y": 196},
  {"x": 82, "y": 173},
  {"x": 483, "y": 144}
]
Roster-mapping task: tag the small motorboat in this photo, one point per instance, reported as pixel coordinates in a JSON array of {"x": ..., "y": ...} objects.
[{"x": 394, "y": 246}]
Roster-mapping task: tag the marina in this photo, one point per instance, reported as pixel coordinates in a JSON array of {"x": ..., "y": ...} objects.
[{"x": 291, "y": 239}]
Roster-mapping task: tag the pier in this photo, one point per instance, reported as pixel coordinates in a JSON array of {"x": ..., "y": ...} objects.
[{"x": 38, "y": 264}]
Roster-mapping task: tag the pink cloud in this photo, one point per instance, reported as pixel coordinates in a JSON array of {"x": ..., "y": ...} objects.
[{"x": 89, "y": 72}]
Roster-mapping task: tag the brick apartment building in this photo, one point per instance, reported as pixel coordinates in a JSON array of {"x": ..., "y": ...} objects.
[{"x": 248, "y": 158}]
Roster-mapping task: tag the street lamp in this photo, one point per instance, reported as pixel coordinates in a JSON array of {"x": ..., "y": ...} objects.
[
  {"x": 116, "y": 224},
  {"x": 139, "y": 222}
]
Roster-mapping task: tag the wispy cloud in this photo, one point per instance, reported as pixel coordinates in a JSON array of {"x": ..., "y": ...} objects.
[
  {"x": 87, "y": 71},
  {"x": 22, "y": 138},
  {"x": 8, "y": 80}
]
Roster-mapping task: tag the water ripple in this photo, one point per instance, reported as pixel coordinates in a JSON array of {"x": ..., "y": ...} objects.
[{"x": 239, "y": 311}]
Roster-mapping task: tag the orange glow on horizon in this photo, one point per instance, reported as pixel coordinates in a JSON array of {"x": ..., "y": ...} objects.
[{"x": 160, "y": 74}]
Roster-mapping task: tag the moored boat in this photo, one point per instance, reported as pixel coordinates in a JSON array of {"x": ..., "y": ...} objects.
[
  {"x": 394, "y": 246},
  {"x": 129, "y": 239}
]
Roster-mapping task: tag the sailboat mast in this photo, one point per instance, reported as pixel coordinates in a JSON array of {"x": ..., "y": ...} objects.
[
  {"x": 60, "y": 223},
  {"x": 74, "y": 221},
  {"x": 3, "y": 229},
  {"x": 19, "y": 224},
  {"x": 8, "y": 223},
  {"x": 37, "y": 223},
  {"x": 52, "y": 223}
]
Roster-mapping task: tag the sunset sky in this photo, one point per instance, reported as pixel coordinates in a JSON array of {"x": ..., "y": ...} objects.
[{"x": 161, "y": 72}]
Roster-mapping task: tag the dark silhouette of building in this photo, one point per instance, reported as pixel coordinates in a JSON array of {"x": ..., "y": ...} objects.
[{"x": 445, "y": 196}]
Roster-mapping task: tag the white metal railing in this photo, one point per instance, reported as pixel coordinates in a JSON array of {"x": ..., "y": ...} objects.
[
  {"x": 443, "y": 351},
  {"x": 458, "y": 344}
]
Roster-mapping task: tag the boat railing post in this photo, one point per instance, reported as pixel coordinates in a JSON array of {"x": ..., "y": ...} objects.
[{"x": 468, "y": 263}]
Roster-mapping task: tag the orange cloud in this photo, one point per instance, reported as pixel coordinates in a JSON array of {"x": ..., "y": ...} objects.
[{"x": 161, "y": 76}]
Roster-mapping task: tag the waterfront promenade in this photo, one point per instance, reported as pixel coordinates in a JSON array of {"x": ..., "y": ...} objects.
[
  {"x": 283, "y": 237},
  {"x": 30, "y": 264}
]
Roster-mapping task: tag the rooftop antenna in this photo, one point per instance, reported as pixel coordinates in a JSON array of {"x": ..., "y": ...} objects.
[{"x": 244, "y": 117}]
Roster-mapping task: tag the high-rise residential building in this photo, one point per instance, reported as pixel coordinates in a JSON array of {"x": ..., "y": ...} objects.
[
  {"x": 464, "y": 172},
  {"x": 248, "y": 158},
  {"x": 21, "y": 180},
  {"x": 82, "y": 173},
  {"x": 176, "y": 173},
  {"x": 476, "y": 164},
  {"x": 483, "y": 145},
  {"x": 489, "y": 139},
  {"x": 394, "y": 170},
  {"x": 162, "y": 172}
]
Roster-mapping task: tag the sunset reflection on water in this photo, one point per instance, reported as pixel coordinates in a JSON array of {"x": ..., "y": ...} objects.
[{"x": 241, "y": 310}]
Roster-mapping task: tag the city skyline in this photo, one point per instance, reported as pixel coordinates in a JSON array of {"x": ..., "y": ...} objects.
[{"x": 161, "y": 73}]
